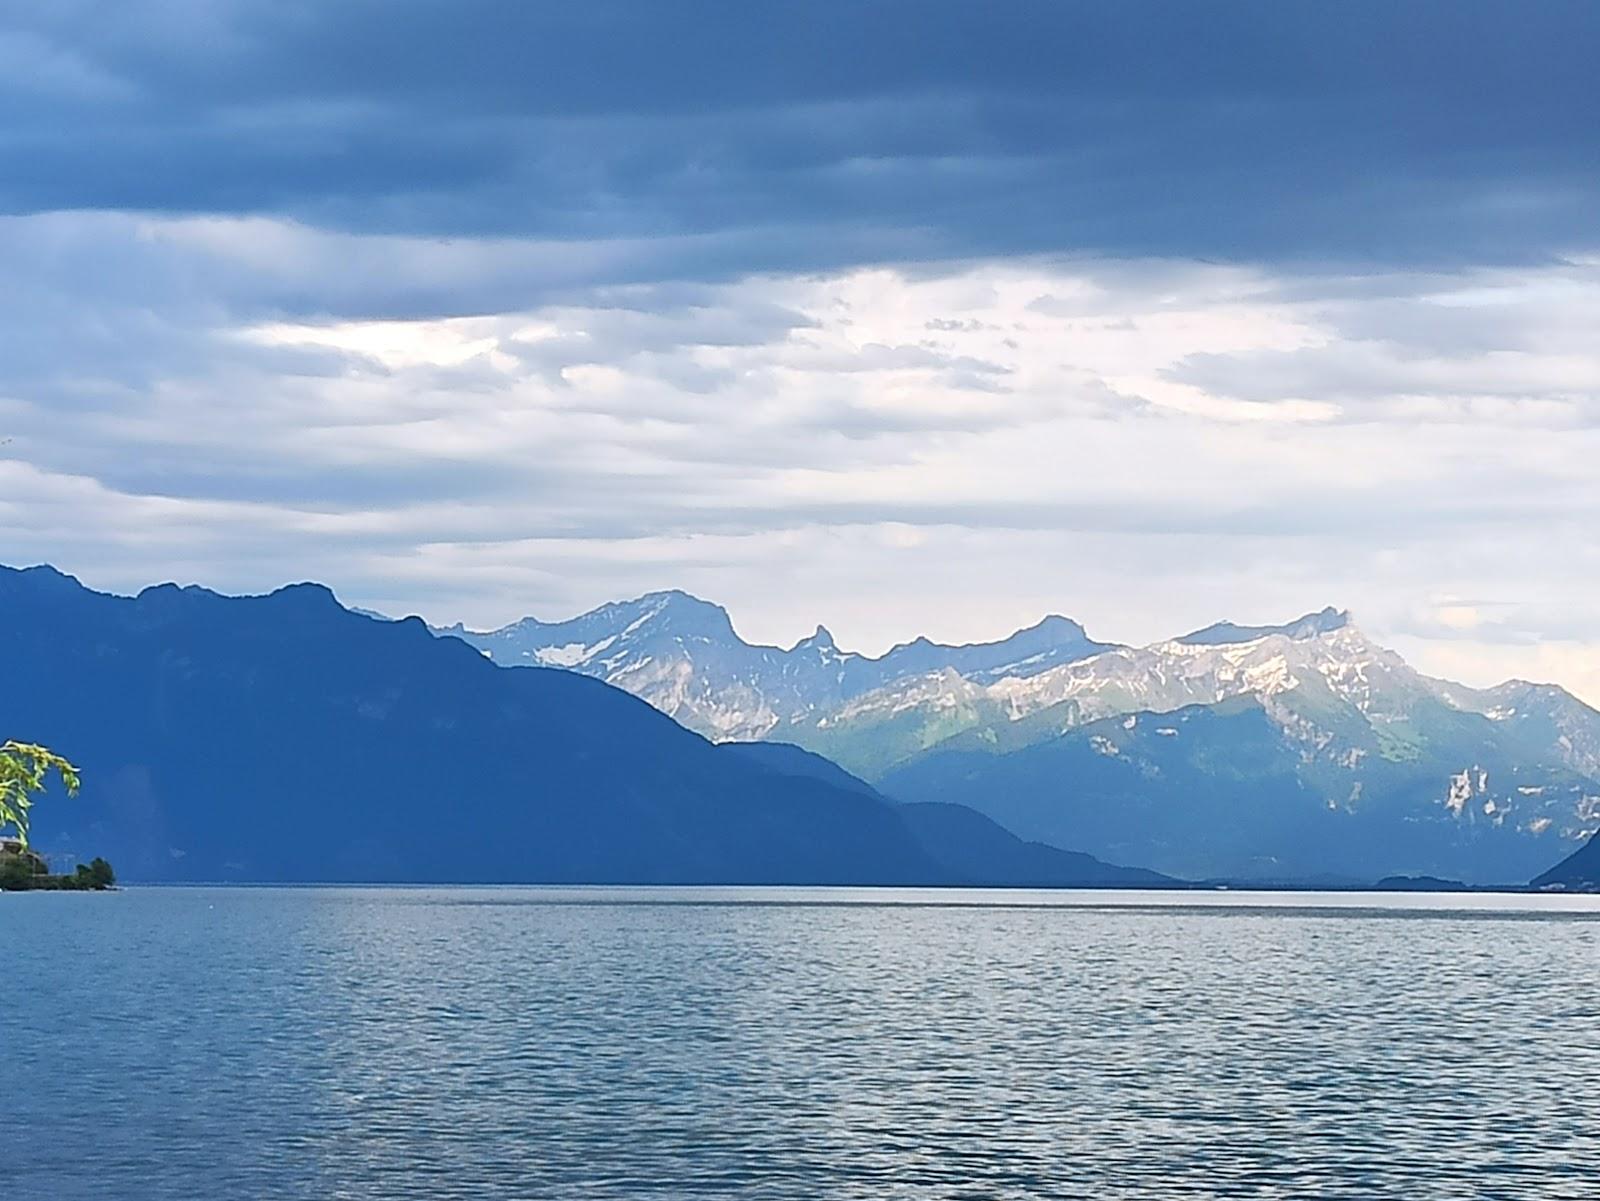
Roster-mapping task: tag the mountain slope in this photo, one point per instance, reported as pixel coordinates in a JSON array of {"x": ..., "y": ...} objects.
[
  {"x": 1215, "y": 797},
  {"x": 791, "y": 760},
  {"x": 1541, "y": 716},
  {"x": 980, "y": 851},
  {"x": 1579, "y": 871},
  {"x": 1227, "y": 790},
  {"x": 974, "y": 848},
  {"x": 284, "y": 738}
]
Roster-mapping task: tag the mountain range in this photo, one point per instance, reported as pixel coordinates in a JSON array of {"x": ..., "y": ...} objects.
[
  {"x": 1302, "y": 750},
  {"x": 682, "y": 655},
  {"x": 285, "y": 738}
]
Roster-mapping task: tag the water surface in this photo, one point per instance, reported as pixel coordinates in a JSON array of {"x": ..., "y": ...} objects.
[{"x": 601, "y": 1043}]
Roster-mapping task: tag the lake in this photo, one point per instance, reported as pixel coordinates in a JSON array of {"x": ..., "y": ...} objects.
[{"x": 610, "y": 1043}]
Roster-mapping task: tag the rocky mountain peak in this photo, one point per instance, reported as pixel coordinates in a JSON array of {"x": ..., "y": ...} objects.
[
  {"x": 1224, "y": 633},
  {"x": 680, "y": 613},
  {"x": 821, "y": 640},
  {"x": 1057, "y": 625}
]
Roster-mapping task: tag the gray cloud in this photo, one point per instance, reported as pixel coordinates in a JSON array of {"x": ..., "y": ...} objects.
[
  {"x": 1498, "y": 346},
  {"x": 831, "y": 133},
  {"x": 684, "y": 434}
]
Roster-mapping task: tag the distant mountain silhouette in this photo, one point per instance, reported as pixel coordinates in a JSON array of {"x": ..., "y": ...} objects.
[
  {"x": 1419, "y": 884},
  {"x": 285, "y": 738},
  {"x": 793, "y": 760},
  {"x": 974, "y": 848}
]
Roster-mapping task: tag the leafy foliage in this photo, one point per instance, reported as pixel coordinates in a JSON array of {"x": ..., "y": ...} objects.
[
  {"x": 25, "y": 770},
  {"x": 19, "y": 872}
]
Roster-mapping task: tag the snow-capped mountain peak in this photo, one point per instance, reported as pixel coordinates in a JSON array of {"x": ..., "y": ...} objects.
[
  {"x": 1232, "y": 661},
  {"x": 822, "y": 641}
]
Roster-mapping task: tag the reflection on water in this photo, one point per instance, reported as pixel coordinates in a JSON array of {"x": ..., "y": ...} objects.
[{"x": 583, "y": 1043}]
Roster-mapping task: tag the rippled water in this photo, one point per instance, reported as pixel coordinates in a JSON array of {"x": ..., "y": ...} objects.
[{"x": 498, "y": 1043}]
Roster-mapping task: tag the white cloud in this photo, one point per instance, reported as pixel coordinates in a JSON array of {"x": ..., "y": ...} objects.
[{"x": 1457, "y": 616}]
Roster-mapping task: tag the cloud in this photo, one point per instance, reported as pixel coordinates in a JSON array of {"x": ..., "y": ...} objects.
[{"x": 1497, "y": 345}]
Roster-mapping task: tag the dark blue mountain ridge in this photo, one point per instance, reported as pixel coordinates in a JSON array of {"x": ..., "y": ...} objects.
[
  {"x": 284, "y": 738},
  {"x": 792, "y": 760}
]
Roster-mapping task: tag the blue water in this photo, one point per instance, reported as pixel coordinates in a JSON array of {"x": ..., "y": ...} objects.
[{"x": 524, "y": 1043}]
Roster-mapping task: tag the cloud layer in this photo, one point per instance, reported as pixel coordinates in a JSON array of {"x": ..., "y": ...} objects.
[
  {"x": 1147, "y": 444},
  {"x": 814, "y": 136}
]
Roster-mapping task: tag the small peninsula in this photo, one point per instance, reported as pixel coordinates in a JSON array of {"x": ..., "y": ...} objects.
[{"x": 21, "y": 870}]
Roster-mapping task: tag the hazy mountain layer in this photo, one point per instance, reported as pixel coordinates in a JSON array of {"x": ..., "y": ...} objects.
[{"x": 974, "y": 848}]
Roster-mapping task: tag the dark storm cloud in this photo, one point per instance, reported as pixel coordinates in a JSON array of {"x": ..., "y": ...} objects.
[{"x": 1430, "y": 130}]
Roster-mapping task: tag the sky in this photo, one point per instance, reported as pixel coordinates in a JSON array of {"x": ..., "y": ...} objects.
[{"x": 903, "y": 317}]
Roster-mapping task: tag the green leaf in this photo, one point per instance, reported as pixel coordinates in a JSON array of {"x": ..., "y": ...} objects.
[{"x": 25, "y": 769}]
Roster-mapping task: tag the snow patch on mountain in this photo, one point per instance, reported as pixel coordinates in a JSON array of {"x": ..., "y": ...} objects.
[
  {"x": 1170, "y": 675},
  {"x": 571, "y": 654}
]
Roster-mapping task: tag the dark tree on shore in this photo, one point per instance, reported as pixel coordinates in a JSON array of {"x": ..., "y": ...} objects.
[{"x": 96, "y": 874}]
